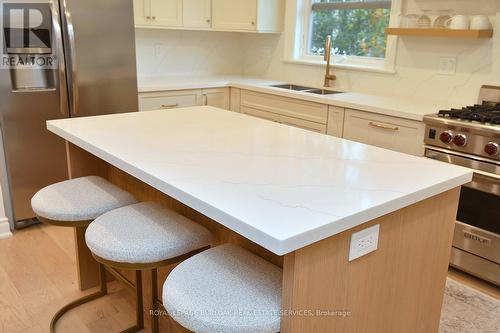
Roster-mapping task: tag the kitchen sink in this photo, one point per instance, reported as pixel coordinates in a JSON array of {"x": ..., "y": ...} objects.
[
  {"x": 323, "y": 92},
  {"x": 289, "y": 86},
  {"x": 311, "y": 90}
]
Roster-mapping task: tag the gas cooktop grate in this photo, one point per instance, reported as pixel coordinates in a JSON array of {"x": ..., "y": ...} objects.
[{"x": 483, "y": 113}]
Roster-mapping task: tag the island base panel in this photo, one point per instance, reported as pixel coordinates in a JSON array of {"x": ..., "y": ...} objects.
[{"x": 398, "y": 288}]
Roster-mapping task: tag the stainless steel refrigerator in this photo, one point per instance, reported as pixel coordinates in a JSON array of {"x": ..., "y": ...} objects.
[{"x": 94, "y": 73}]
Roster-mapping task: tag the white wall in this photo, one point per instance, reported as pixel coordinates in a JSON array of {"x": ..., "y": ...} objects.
[
  {"x": 187, "y": 52},
  {"x": 478, "y": 61}
]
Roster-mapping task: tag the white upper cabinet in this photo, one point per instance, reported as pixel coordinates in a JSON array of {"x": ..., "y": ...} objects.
[
  {"x": 166, "y": 13},
  {"x": 197, "y": 13},
  {"x": 222, "y": 15},
  {"x": 248, "y": 15},
  {"x": 158, "y": 13},
  {"x": 142, "y": 12},
  {"x": 234, "y": 14}
]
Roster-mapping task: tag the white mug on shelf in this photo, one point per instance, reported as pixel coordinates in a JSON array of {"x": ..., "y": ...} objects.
[
  {"x": 458, "y": 22},
  {"x": 480, "y": 22}
]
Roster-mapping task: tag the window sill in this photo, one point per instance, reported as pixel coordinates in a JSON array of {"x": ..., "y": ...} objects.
[{"x": 350, "y": 67}]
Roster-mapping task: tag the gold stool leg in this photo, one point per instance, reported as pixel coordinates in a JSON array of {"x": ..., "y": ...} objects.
[
  {"x": 155, "y": 320},
  {"x": 139, "y": 305},
  {"x": 102, "y": 292}
]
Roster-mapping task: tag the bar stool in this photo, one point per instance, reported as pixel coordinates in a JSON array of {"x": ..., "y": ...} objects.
[
  {"x": 225, "y": 289},
  {"x": 145, "y": 236},
  {"x": 76, "y": 203}
]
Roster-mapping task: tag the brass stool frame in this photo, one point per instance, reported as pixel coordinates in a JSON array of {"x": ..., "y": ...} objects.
[
  {"x": 154, "y": 277},
  {"x": 103, "y": 290},
  {"x": 111, "y": 267}
]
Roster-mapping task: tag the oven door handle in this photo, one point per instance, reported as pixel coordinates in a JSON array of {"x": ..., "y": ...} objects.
[{"x": 485, "y": 181}]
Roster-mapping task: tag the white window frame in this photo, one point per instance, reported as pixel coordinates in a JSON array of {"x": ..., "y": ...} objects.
[{"x": 297, "y": 38}]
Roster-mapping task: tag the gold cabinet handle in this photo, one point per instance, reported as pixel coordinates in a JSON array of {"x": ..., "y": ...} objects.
[
  {"x": 154, "y": 17},
  {"x": 148, "y": 17},
  {"x": 382, "y": 126},
  {"x": 209, "y": 20},
  {"x": 169, "y": 106}
]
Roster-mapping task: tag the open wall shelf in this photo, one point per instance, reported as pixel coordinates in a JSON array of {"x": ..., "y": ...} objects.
[{"x": 449, "y": 33}]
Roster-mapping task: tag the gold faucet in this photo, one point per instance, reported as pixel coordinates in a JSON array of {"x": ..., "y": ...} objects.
[{"x": 329, "y": 78}]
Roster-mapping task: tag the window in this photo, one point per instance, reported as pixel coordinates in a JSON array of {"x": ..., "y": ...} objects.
[{"x": 357, "y": 27}]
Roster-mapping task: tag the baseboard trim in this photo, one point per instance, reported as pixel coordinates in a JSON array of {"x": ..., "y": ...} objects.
[{"x": 5, "y": 228}]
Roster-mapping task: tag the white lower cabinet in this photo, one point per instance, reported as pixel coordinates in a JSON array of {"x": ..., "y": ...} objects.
[
  {"x": 403, "y": 135},
  {"x": 260, "y": 114},
  {"x": 169, "y": 99},
  {"x": 290, "y": 111},
  {"x": 335, "y": 125},
  {"x": 235, "y": 99},
  {"x": 217, "y": 97}
]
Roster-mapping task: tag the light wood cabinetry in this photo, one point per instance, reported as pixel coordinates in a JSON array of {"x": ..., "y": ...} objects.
[
  {"x": 221, "y": 15},
  {"x": 158, "y": 13},
  {"x": 197, "y": 13},
  {"x": 217, "y": 97},
  {"x": 406, "y": 136}
]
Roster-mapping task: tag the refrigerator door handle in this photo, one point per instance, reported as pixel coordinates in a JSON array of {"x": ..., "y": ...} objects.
[
  {"x": 72, "y": 51},
  {"x": 63, "y": 89}
]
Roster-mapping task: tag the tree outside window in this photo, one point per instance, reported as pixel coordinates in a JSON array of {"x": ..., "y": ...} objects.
[{"x": 357, "y": 27}]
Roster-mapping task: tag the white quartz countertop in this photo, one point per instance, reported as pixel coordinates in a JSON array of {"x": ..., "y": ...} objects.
[
  {"x": 279, "y": 186},
  {"x": 402, "y": 107}
]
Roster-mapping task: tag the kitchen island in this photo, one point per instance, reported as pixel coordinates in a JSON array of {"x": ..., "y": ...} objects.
[{"x": 293, "y": 197}]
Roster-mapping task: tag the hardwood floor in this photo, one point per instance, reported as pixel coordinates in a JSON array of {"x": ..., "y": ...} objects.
[{"x": 38, "y": 276}]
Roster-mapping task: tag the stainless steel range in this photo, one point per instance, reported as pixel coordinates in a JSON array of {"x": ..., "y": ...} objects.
[{"x": 470, "y": 137}]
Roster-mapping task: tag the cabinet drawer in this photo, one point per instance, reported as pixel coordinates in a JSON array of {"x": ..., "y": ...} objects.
[
  {"x": 393, "y": 133},
  {"x": 260, "y": 113},
  {"x": 285, "y": 106},
  {"x": 308, "y": 125},
  {"x": 169, "y": 100}
]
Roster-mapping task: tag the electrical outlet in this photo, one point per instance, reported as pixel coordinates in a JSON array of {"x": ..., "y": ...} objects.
[
  {"x": 364, "y": 242},
  {"x": 158, "y": 48},
  {"x": 447, "y": 65}
]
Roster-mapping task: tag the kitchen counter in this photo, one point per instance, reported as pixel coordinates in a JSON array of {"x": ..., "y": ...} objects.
[
  {"x": 294, "y": 197},
  {"x": 402, "y": 107},
  {"x": 258, "y": 178}
]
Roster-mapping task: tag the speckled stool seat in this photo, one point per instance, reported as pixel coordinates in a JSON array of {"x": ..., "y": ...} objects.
[
  {"x": 227, "y": 290},
  {"x": 76, "y": 203},
  {"x": 145, "y": 236}
]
